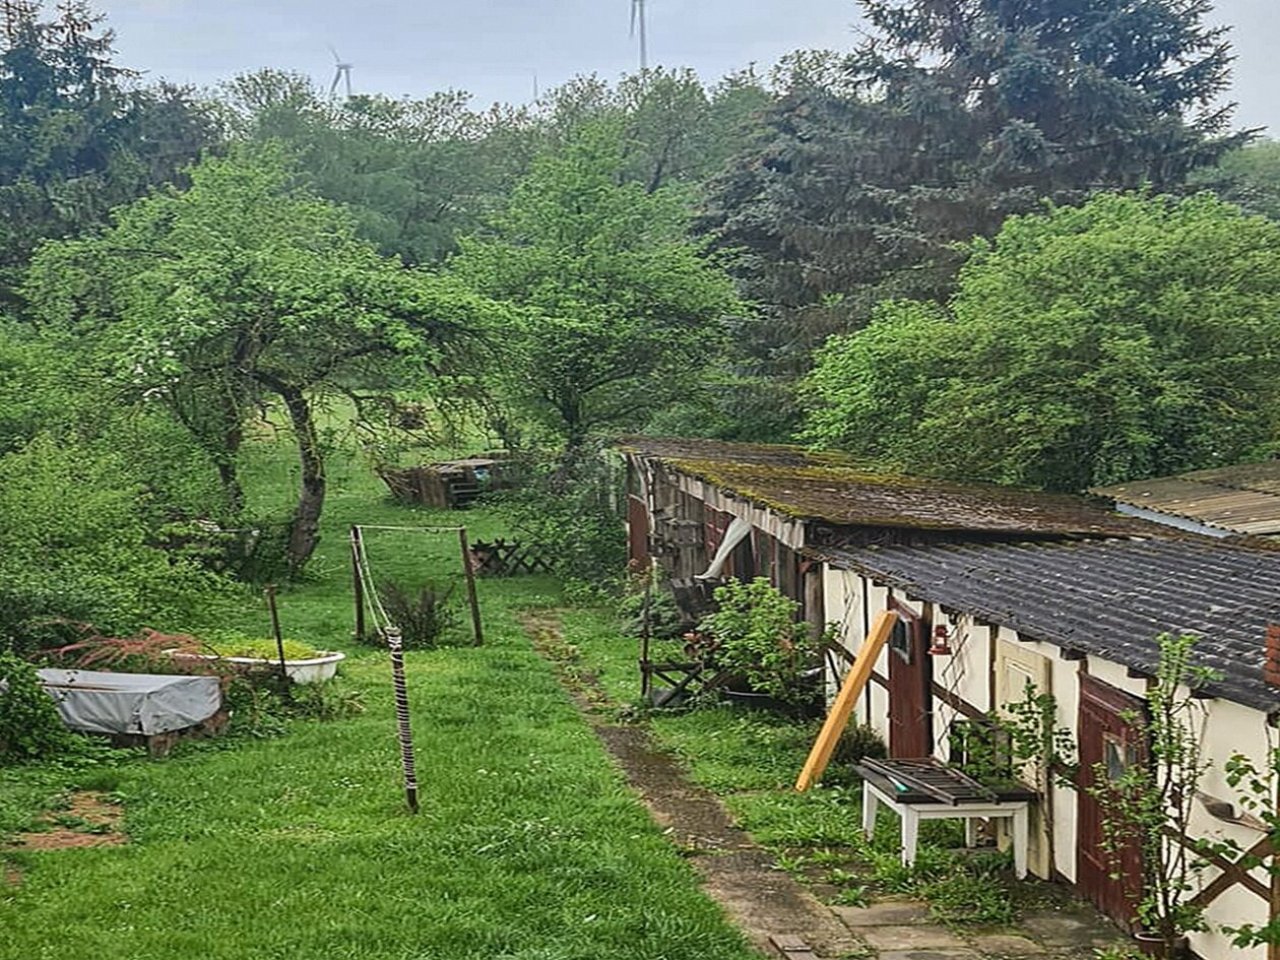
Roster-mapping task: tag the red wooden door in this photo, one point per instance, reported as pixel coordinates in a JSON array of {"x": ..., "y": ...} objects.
[
  {"x": 1110, "y": 741},
  {"x": 910, "y": 706}
]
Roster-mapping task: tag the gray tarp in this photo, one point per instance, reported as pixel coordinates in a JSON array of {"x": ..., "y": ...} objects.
[{"x": 96, "y": 702}]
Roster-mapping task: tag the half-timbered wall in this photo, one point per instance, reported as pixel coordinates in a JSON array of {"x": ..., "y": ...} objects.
[{"x": 969, "y": 683}]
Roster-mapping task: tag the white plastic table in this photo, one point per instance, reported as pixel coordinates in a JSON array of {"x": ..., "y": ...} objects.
[{"x": 911, "y": 813}]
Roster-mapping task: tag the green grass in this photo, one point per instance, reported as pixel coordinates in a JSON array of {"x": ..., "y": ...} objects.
[{"x": 529, "y": 845}]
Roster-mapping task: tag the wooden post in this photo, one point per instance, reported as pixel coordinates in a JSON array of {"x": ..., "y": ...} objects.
[
  {"x": 275, "y": 629},
  {"x": 402, "y": 718},
  {"x": 357, "y": 582},
  {"x": 855, "y": 682},
  {"x": 646, "y": 632},
  {"x": 476, "y": 627}
]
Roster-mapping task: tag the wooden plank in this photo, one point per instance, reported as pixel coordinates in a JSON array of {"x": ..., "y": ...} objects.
[{"x": 855, "y": 682}]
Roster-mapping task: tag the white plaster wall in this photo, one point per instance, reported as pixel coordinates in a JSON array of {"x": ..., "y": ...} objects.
[
  {"x": 1117, "y": 675},
  {"x": 1230, "y": 728}
]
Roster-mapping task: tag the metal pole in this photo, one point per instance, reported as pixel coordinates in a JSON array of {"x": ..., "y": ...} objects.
[
  {"x": 476, "y": 628},
  {"x": 275, "y": 628},
  {"x": 357, "y": 582},
  {"x": 402, "y": 718}
]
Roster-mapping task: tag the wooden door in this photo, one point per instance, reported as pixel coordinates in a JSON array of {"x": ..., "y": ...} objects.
[
  {"x": 1110, "y": 742},
  {"x": 910, "y": 706},
  {"x": 1017, "y": 669}
]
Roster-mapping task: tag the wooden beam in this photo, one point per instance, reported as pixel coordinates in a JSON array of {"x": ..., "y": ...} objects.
[
  {"x": 956, "y": 703},
  {"x": 855, "y": 682}
]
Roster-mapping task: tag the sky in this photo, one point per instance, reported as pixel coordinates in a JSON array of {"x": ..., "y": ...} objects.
[{"x": 496, "y": 48}]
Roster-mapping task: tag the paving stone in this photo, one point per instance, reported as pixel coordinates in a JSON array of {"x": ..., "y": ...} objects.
[
  {"x": 921, "y": 936},
  {"x": 887, "y": 913},
  {"x": 954, "y": 954},
  {"x": 1065, "y": 930},
  {"x": 1007, "y": 945}
]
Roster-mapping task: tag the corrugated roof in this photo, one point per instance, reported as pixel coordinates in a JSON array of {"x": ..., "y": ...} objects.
[
  {"x": 1106, "y": 597},
  {"x": 1240, "y": 499},
  {"x": 838, "y": 491}
]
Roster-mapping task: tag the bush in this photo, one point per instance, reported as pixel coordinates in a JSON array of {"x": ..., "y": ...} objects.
[
  {"x": 424, "y": 618},
  {"x": 572, "y": 510},
  {"x": 76, "y": 547},
  {"x": 30, "y": 727},
  {"x": 666, "y": 621},
  {"x": 756, "y": 635}
]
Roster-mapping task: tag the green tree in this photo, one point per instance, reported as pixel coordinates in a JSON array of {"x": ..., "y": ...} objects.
[
  {"x": 414, "y": 173},
  {"x": 78, "y": 135},
  {"x": 1249, "y": 176},
  {"x": 1129, "y": 337},
  {"x": 614, "y": 307},
  {"x": 244, "y": 285},
  {"x": 953, "y": 115}
]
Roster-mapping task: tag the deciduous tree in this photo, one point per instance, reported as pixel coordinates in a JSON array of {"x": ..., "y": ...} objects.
[
  {"x": 245, "y": 285},
  {"x": 616, "y": 308},
  {"x": 1129, "y": 337}
]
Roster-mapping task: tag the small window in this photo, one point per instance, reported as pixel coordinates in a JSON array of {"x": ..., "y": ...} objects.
[
  {"x": 900, "y": 639},
  {"x": 1117, "y": 756}
]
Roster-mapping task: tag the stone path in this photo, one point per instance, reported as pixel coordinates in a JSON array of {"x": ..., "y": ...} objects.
[
  {"x": 781, "y": 916},
  {"x": 900, "y": 930}
]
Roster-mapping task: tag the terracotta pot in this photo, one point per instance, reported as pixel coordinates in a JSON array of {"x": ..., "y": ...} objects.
[{"x": 1153, "y": 945}]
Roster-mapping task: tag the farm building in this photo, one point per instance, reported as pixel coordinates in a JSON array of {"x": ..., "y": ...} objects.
[
  {"x": 705, "y": 510},
  {"x": 1241, "y": 500},
  {"x": 1078, "y": 620},
  {"x": 1054, "y": 591}
]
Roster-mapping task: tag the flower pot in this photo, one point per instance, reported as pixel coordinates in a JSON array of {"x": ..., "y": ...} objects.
[
  {"x": 1154, "y": 945},
  {"x": 312, "y": 670}
]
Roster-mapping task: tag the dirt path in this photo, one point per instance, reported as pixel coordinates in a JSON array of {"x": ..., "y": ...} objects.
[{"x": 764, "y": 902}]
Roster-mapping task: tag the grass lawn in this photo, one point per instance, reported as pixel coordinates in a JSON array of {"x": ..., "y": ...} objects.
[{"x": 528, "y": 845}]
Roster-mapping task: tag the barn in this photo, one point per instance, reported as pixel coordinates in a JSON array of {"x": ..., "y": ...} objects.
[{"x": 1056, "y": 591}]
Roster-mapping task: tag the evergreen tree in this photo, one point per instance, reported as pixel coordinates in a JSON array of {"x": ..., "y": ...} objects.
[
  {"x": 78, "y": 135},
  {"x": 953, "y": 115}
]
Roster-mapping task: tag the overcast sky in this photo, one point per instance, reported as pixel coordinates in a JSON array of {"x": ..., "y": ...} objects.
[{"x": 494, "y": 48}]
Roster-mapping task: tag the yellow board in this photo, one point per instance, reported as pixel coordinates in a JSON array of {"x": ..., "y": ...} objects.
[{"x": 855, "y": 682}]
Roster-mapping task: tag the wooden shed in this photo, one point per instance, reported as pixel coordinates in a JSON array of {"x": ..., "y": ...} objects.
[{"x": 1078, "y": 620}]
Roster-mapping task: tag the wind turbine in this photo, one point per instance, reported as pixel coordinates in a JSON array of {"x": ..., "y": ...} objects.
[
  {"x": 343, "y": 73},
  {"x": 637, "y": 16}
]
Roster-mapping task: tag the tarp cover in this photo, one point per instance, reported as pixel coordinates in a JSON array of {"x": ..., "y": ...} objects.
[{"x": 95, "y": 702}]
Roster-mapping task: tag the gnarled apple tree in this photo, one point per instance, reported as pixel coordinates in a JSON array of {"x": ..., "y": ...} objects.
[{"x": 244, "y": 286}]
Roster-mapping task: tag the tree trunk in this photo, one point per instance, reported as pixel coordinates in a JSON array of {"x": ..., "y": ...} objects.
[
  {"x": 225, "y": 460},
  {"x": 304, "y": 530}
]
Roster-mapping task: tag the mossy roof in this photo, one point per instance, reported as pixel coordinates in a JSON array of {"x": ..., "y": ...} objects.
[{"x": 836, "y": 490}]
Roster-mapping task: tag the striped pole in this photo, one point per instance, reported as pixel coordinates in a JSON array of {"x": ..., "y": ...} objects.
[{"x": 402, "y": 718}]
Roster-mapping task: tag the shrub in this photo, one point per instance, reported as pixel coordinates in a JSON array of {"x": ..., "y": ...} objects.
[
  {"x": 757, "y": 636},
  {"x": 30, "y": 727},
  {"x": 76, "y": 546},
  {"x": 425, "y": 618},
  {"x": 572, "y": 510}
]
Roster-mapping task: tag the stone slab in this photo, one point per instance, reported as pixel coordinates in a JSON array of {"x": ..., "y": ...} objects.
[
  {"x": 920, "y": 936},
  {"x": 885, "y": 914},
  {"x": 1007, "y": 945},
  {"x": 958, "y": 954},
  {"x": 1065, "y": 930}
]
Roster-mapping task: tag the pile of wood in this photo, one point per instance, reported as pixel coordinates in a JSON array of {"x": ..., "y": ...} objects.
[{"x": 449, "y": 484}]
